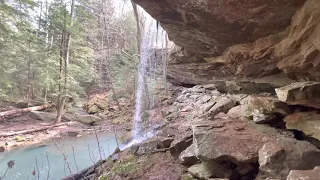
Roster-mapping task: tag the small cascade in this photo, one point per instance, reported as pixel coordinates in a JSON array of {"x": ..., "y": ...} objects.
[{"x": 150, "y": 69}]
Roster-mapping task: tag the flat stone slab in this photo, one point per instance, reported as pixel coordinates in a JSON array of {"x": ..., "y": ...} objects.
[
  {"x": 307, "y": 122},
  {"x": 301, "y": 93},
  {"x": 229, "y": 139},
  {"x": 313, "y": 174}
]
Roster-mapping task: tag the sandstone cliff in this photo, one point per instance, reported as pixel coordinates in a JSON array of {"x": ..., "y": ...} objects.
[{"x": 240, "y": 39}]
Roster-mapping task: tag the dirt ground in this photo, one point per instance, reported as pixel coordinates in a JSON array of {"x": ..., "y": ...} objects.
[{"x": 157, "y": 166}]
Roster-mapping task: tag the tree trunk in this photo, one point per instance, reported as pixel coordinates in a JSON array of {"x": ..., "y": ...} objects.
[
  {"x": 65, "y": 57},
  {"x": 104, "y": 26},
  {"x": 136, "y": 15},
  {"x": 29, "y": 74},
  {"x": 20, "y": 111}
]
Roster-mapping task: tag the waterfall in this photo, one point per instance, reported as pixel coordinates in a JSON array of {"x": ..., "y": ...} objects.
[{"x": 151, "y": 45}]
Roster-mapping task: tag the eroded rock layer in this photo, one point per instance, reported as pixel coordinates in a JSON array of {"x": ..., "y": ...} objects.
[{"x": 240, "y": 39}]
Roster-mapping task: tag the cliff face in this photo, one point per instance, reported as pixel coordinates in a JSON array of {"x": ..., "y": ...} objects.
[{"x": 236, "y": 39}]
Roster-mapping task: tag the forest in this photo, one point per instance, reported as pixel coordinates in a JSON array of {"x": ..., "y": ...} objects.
[
  {"x": 51, "y": 50},
  {"x": 74, "y": 73},
  {"x": 159, "y": 90}
]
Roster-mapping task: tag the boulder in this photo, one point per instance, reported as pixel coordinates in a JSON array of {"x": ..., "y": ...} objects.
[
  {"x": 72, "y": 133},
  {"x": 235, "y": 112},
  {"x": 313, "y": 174},
  {"x": 22, "y": 105},
  {"x": 206, "y": 107},
  {"x": 277, "y": 158},
  {"x": 301, "y": 93},
  {"x": 87, "y": 119},
  {"x": 180, "y": 144},
  {"x": 93, "y": 109},
  {"x": 145, "y": 148},
  {"x": 223, "y": 105},
  {"x": 188, "y": 156},
  {"x": 307, "y": 122},
  {"x": 264, "y": 108},
  {"x": 201, "y": 171},
  {"x": 206, "y": 170},
  {"x": 238, "y": 97},
  {"x": 151, "y": 146},
  {"x": 42, "y": 116},
  {"x": 215, "y": 93},
  {"x": 243, "y": 141}
]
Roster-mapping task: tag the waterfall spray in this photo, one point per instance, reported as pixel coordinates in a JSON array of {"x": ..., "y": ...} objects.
[{"x": 147, "y": 70}]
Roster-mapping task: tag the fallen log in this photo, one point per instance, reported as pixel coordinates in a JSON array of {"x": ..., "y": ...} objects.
[
  {"x": 20, "y": 111},
  {"x": 84, "y": 174},
  {"x": 30, "y": 131}
]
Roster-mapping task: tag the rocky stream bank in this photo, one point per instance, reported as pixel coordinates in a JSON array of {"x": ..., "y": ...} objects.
[
  {"x": 212, "y": 135},
  {"x": 21, "y": 131}
]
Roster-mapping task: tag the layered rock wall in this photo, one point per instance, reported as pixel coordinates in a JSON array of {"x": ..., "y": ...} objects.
[{"x": 240, "y": 39}]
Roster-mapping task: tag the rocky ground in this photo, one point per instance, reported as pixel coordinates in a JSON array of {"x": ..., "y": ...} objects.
[{"x": 212, "y": 135}]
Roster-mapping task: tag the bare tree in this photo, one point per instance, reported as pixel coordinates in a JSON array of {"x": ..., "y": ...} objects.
[{"x": 64, "y": 56}]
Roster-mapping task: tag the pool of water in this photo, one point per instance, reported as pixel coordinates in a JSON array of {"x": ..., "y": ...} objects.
[{"x": 49, "y": 160}]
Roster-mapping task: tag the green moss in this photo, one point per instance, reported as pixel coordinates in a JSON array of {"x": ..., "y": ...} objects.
[
  {"x": 128, "y": 165},
  {"x": 104, "y": 178}
]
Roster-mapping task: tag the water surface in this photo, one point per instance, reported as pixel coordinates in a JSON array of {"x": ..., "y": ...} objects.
[{"x": 49, "y": 160}]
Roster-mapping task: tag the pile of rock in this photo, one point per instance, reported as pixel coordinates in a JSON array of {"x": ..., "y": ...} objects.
[
  {"x": 232, "y": 137},
  {"x": 222, "y": 136},
  {"x": 104, "y": 106},
  {"x": 204, "y": 101}
]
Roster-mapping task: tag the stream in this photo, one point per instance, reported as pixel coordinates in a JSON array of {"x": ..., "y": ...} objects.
[{"x": 49, "y": 160}]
